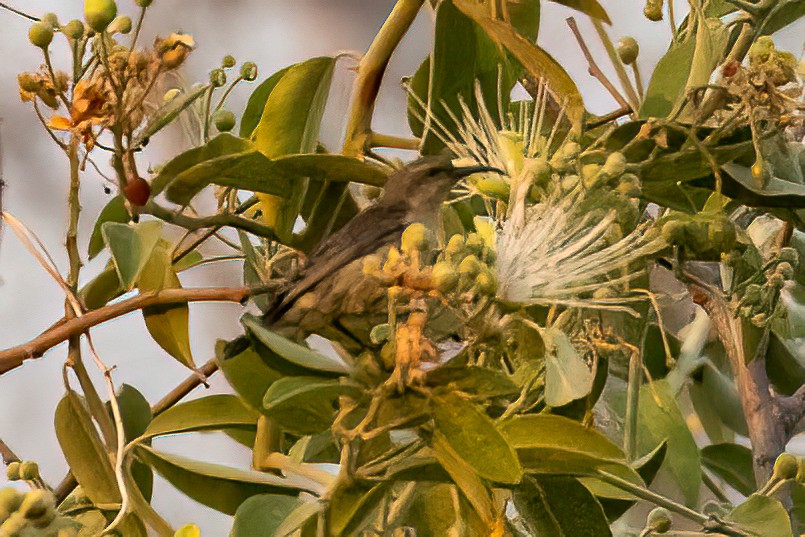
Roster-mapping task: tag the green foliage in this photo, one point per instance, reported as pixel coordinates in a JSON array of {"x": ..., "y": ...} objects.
[{"x": 496, "y": 364}]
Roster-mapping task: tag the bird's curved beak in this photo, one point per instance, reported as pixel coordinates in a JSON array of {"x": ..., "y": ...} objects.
[{"x": 464, "y": 171}]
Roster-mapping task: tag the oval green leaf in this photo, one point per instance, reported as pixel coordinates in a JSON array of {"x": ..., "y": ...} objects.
[{"x": 211, "y": 413}]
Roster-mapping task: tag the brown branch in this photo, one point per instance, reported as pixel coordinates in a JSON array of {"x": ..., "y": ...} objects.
[
  {"x": 762, "y": 409},
  {"x": 62, "y": 331},
  {"x": 7, "y": 453},
  {"x": 594, "y": 70}
]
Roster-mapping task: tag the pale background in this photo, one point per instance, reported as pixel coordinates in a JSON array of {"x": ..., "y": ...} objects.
[{"x": 273, "y": 33}]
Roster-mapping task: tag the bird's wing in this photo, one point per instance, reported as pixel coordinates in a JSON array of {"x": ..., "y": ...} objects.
[{"x": 373, "y": 228}]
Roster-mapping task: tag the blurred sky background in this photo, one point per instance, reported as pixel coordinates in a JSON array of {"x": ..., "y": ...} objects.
[{"x": 272, "y": 33}]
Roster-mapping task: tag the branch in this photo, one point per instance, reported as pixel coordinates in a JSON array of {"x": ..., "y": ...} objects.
[
  {"x": 22, "y": 14},
  {"x": 371, "y": 69},
  {"x": 7, "y": 454},
  {"x": 63, "y": 330},
  {"x": 215, "y": 221},
  {"x": 594, "y": 70}
]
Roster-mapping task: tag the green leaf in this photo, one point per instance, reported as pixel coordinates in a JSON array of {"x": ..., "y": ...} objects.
[
  {"x": 165, "y": 115},
  {"x": 560, "y": 506},
  {"x": 432, "y": 510},
  {"x": 534, "y": 60},
  {"x": 567, "y": 375},
  {"x": 102, "y": 288},
  {"x": 351, "y": 505},
  {"x": 733, "y": 464},
  {"x": 549, "y": 444},
  {"x": 465, "y": 427},
  {"x": 785, "y": 13},
  {"x": 304, "y": 405},
  {"x": 136, "y": 414},
  {"x": 247, "y": 373},
  {"x": 84, "y": 450},
  {"x": 304, "y": 515},
  {"x": 463, "y": 56},
  {"x": 741, "y": 186},
  {"x": 293, "y": 352},
  {"x": 668, "y": 81},
  {"x": 329, "y": 167},
  {"x": 131, "y": 247},
  {"x": 720, "y": 392},
  {"x": 257, "y": 103},
  {"x": 262, "y": 515},
  {"x": 249, "y": 170},
  {"x": 762, "y": 515},
  {"x": 114, "y": 211},
  {"x": 589, "y": 7},
  {"x": 660, "y": 419},
  {"x": 220, "y": 487},
  {"x": 290, "y": 125},
  {"x": 418, "y": 86},
  {"x": 211, "y": 413},
  {"x": 222, "y": 145},
  {"x": 481, "y": 381},
  {"x": 169, "y": 324},
  {"x": 465, "y": 477}
]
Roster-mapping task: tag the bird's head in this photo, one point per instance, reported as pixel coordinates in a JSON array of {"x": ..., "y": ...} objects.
[{"x": 428, "y": 180}]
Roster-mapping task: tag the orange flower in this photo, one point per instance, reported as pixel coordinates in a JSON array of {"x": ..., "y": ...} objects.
[{"x": 89, "y": 109}]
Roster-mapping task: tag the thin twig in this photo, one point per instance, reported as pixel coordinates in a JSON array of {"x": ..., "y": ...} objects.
[
  {"x": 593, "y": 68},
  {"x": 22, "y": 14},
  {"x": 14, "y": 357},
  {"x": 620, "y": 70}
]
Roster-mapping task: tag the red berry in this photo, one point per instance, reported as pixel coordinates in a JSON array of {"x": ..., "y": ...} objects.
[
  {"x": 730, "y": 68},
  {"x": 137, "y": 192}
]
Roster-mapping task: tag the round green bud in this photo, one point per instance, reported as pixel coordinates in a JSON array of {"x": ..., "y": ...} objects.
[
  {"x": 455, "y": 245},
  {"x": 761, "y": 50},
  {"x": 415, "y": 237},
  {"x": 590, "y": 174},
  {"x": 99, "y": 13},
  {"x": 486, "y": 282},
  {"x": 469, "y": 266},
  {"x": 40, "y": 34},
  {"x": 563, "y": 160},
  {"x": 628, "y": 49},
  {"x": 121, "y": 25},
  {"x": 615, "y": 165},
  {"x": 13, "y": 471},
  {"x": 248, "y": 71},
  {"x": 444, "y": 276},
  {"x": 170, "y": 95},
  {"x": 493, "y": 186},
  {"x": 143, "y": 3},
  {"x": 659, "y": 520},
  {"x": 474, "y": 243},
  {"x": 10, "y": 500},
  {"x": 629, "y": 185},
  {"x": 29, "y": 470},
  {"x": 753, "y": 294},
  {"x": 217, "y": 78},
  {"x": 538, "y": 170},
  {"x": 74, "y": 29},
  {"x": 673, "y": 231},
  {"x": 228, "y": 61},
  {"x": 653, "y": 10},
  {"x": 789, "y": 255},
  {"x": 224, "y": 120},
  {"x": 721, "y": 233},
  {"x": 786, "y": 466},
  {"x": 51, "y": 20}
]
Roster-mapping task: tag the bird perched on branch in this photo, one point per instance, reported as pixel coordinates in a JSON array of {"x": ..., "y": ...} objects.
[{"x": 332, "y": 283}]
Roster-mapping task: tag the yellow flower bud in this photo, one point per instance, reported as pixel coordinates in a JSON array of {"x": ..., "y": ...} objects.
[
  {"x": 40, "y": 34},
  {"x": 628, "y": 49},
  {"x": 659, "y": 520},
  {"x": 512, "y": 151},
  {"x": 786, "y": 466},
  {"x": 444, "y": 276},
  {"x": 455, "y": 245},
  {"x": 99, "y": 13},
  {"x": 415, "y": 237}
]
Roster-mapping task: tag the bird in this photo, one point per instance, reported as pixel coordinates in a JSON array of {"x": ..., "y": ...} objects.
[{"x": 414, "y": 193}]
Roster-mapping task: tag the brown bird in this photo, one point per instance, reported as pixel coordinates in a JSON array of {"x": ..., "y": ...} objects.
[{"x": 411, "y": 194}]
